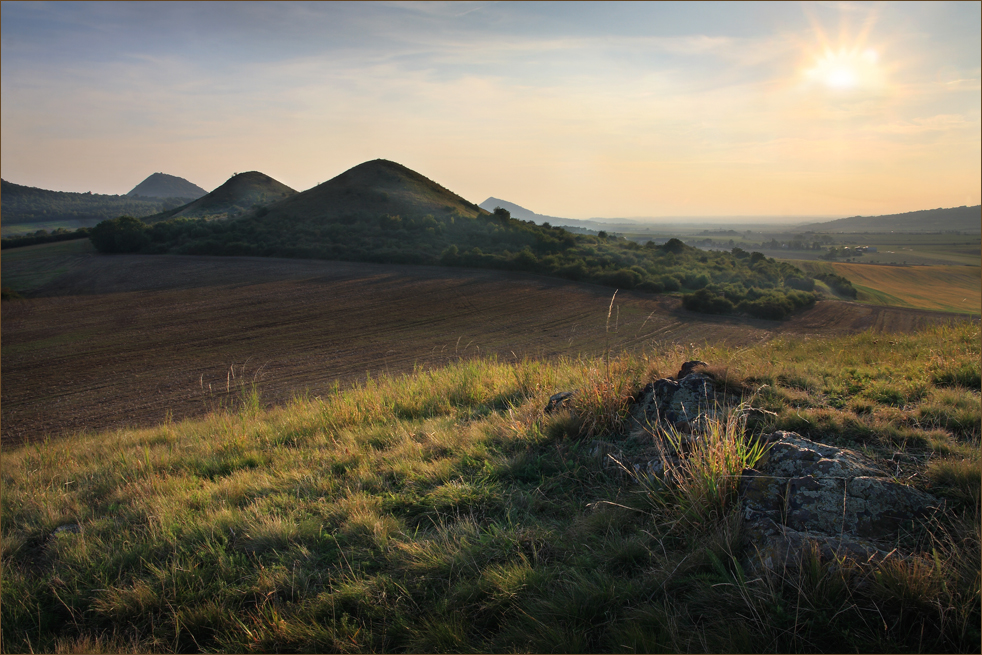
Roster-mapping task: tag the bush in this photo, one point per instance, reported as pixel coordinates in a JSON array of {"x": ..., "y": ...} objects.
[
  {"x": 669, "y": 283},
  {"x": 800, "y": 283},
  {"x": 770, "y": 306},
  {"x": 838, "y": 284},
  {"x": 623, "y": 278},
  {"x": 707, "y": 302},
  {"x": 123, "y": 234}
]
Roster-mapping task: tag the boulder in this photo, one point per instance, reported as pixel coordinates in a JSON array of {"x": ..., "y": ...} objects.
[
  {"x": 558, "y": 400},
  {"x": 804, "y": 492},
  {"x": 681, "y": 402}
]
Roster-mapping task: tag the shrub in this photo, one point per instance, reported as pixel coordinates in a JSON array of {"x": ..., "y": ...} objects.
[
  {"x": 800, "y": 283},
  {"x": 707, "y": 302},
  {"x": 838, "y": 284},
  {"x": 123, "y": 234},
  {"x": 623, "y": 278}
]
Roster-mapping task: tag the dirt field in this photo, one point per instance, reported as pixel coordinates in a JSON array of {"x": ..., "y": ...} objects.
[{"x": 118, "y": 340}]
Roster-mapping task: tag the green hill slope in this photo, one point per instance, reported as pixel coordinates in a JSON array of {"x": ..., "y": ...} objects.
[
  {"x": 242, "y": 192},
  {"x": 446, "y": 511}
]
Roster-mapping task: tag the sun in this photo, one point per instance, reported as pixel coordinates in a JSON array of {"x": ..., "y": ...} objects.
[
  {"x": 844, "y": 69},
  {"x": 848, "y": 64}
]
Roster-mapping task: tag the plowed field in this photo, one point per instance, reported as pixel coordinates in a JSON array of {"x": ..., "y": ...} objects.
[{"x": 108, "y": 341}]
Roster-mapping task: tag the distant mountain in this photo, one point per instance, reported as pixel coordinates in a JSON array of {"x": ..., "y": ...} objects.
[
  {"x": 374, "y": 188},
  {"x": 162, "y": 185},
  {"x": 26, "y": 205},
  {"x": 242, "y": 192},
  {"x": 955, "y": 219},
  {"x": 519, "y": 212}
]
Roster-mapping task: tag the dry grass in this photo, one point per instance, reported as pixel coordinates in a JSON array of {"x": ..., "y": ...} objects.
[{"x": 444, "y": 510}]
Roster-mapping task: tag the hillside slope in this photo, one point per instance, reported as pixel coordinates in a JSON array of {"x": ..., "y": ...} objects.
[
  {"x": 241, "y": 193},
  {"x": 957, "y": 219},
  {"x": 162, "y": 185},
  {"x": 450, "y": 511}
]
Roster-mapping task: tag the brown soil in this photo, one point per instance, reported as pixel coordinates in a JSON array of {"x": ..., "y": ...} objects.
[{"x": 124, "y": 340}]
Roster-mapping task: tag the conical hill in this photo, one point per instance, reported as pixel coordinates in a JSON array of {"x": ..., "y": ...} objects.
[
  {"x": 374, "y": 188},
  {"x": 162, "y": 185},
  {"x": 242, "y": 193}
]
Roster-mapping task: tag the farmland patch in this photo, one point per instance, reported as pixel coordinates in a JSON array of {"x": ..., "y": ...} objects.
[{"x": 132, "y": 340}]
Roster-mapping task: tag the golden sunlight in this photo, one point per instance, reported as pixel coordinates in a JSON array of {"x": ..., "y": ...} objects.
[{"x": 847, "y": 69}]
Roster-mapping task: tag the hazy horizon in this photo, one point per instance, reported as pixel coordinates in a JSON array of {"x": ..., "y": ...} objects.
[{"x": 656, "y": 112}]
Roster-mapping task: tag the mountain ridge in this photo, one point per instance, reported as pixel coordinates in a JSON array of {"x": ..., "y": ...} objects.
[
  {"x": 960, "y": 219},
  {"x": 24, "y": 205}
]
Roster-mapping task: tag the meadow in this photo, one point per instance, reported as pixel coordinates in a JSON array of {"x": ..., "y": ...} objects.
[{"x": 445, "y": 511}]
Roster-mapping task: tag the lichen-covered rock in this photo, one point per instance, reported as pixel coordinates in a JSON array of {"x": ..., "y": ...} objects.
[
  {"x": 680, "y": 402},
  {"x": 801, "y": 490}
]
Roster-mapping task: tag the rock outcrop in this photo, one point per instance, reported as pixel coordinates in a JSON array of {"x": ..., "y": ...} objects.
[
  {"x": 683, "y": 400},
  {"x": 803, "y": 492},
  {"x": 800, "y": 495}
]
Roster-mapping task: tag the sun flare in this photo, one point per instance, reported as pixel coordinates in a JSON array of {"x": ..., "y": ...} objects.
[{"x": 847, "y": 69}]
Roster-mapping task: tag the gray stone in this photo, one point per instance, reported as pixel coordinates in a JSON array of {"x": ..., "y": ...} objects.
[
  {"x": 558, "y": 400},
  {"x": 803, "y": 491},
  {"x": 680, "y": 403},
  {"x": 690, "y": 367}
]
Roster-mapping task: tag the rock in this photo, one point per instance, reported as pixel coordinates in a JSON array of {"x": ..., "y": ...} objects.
[
  {"x": 690, "y": 367},
  {"x": 803, "y": 491},
  {"x": 681, "y": 402},
  {"x": 71, "y": 528},
  {"x": 558, "y": 400}
]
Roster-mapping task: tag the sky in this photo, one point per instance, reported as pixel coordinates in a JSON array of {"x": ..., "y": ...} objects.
[{"x": 574, "y": 110}]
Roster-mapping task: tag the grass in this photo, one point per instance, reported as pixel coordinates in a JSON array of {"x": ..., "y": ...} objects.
[{"x": 444, "y": 510}]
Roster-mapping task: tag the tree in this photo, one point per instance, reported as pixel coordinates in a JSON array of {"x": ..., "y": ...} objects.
[{"x": 123, "y": 234}]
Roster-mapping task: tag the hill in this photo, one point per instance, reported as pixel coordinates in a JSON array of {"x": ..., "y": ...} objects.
[
  {"x": 31, "y": 206},
  {"x": 519, "y": 212},
  {"x": 162, "y": 185},
  {"x": 383, "y": 212},
  {"x": 372, "y": 189},
  {"x": 954, "y": 219},
  {"x": 242, "y": 192}
]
